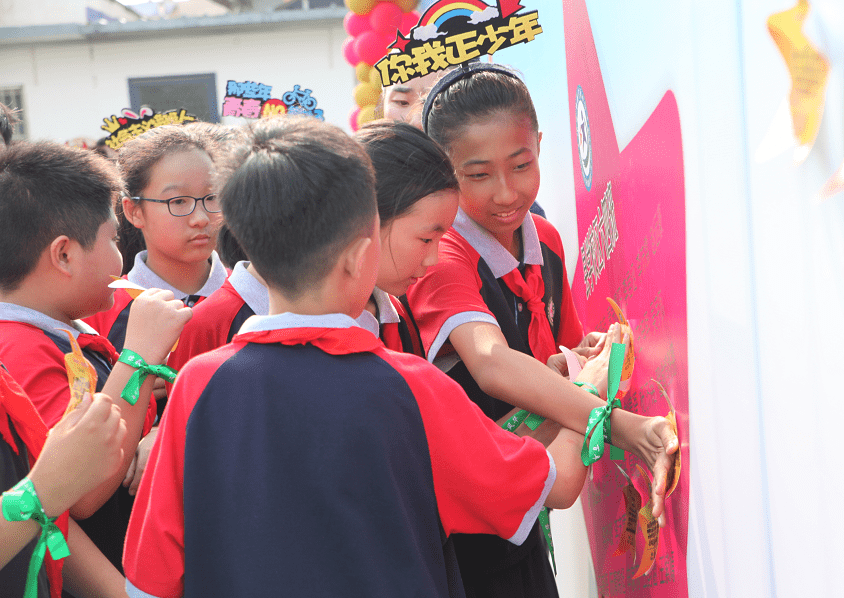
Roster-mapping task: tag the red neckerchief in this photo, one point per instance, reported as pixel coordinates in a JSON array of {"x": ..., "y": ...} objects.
[
  {"x": 16, "y": 406},
  {"x": 540, "y": 337},
  {"x": 334, "y": 341},
  {"x": 99, "y": 344}
]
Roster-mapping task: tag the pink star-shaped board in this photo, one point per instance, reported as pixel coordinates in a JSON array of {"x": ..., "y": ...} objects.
[{"x": 632, "y": 237}]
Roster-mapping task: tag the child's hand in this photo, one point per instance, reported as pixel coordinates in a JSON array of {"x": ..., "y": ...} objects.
[
  {"x": 595, "y": 370},
  {"x": 559, "y": 364},
  {"x": 156, "y": 320},
  {"x": 82, "y": 451},
  {"x": 591, "y": 345},
  {"x": 139, "y": 463},
  {"x": 656, "y": 444}
]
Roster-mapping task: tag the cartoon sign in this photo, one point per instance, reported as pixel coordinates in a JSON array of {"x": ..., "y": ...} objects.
[
  {"x": 247, "y": 99},
  {"x": 450, "y": 33},
  {"x": 631, "y": 230},
  {"x": 129, "y": 124}
]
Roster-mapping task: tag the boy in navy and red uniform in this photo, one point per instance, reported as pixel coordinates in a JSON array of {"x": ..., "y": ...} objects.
[
  {"x": 57, "y": 239},
  {"x": 216, "y": 320},
  {"x": 345, "y": 464}
]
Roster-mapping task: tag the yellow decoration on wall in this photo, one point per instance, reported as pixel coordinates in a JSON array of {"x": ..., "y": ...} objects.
[{"x": 808, "y": 69}]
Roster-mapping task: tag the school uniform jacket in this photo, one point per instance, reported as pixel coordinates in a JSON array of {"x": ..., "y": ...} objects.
[
  {"x": 338, "y": 473},
  {"x": 112, "y": 322},
  {"x": 394, "y": 325},
  {"x": 33, "y": 346},
  {"x": 22, "y": 436},
  {"x": 217, "y": 319},
  {"x": 465, "y": 286}
]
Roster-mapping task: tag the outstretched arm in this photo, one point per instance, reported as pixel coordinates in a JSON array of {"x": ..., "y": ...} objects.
[{"x": 524, "y": 382}]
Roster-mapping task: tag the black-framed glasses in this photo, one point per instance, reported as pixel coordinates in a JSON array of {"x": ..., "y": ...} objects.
[{"x": 184, "y": 205}]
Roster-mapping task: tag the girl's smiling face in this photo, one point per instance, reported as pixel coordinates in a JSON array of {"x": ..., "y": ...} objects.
[
  {"x": 409, "y": 242},
  {"x": 497, "y": 164}
]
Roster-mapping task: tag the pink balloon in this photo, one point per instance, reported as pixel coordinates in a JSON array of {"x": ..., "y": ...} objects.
[
  {"x": 349, "y": 52},
  {"x": 371, "y": 46},
  {"x": 353, "y": 119},
  {"x": 408, "y": 21},
  {"x": 385, "y": 18},
  {"x": 355, "y": 24}
]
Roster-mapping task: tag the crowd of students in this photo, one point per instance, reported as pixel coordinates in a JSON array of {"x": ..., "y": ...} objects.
[{"x": 336, "y": 424}]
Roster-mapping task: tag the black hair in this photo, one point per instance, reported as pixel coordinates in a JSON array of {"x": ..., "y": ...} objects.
[
  {"x": 229, "y": 249},
  {"x": 136, "y": 159},
  {"x": 7, "y": 123},
  {"x": 48, "y": 190},
  {"x": 474, "y": 92},
  {"x": 408, "y": 164},
  {"x": 295, "y": 197}
]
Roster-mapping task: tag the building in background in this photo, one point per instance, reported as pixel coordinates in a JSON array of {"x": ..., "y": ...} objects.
[{"x": 69, "y": 64}]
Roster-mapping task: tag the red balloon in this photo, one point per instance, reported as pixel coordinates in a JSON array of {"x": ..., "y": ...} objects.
[
  {"x": 409, "y": 20},
  {"x": 349, "y": 52},
  {"x": 353, "y": 119},
  {"x": 385, "y": 18},
  {"x": 371, "y": 46},
  {"x": 355, "y": 24}
]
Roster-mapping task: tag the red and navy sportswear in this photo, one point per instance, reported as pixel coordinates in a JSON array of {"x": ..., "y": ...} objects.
[
  {"x": 217, "y": 319},
  {"x": 22, "y": 436},
  {"x": 111, "y": 323},
  {"x": 465, "y": 286},
  {"x": 394, "y": 323},
  {"x": 33, "y": 346},
  {"x": 338, "y": 474}
]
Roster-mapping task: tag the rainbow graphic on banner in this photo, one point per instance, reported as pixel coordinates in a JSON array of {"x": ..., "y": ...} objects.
[
  {"x": 442, "y": 11},
  {"x": 452, "y": 33}
]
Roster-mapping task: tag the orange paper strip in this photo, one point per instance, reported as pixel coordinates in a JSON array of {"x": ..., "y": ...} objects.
[
  {"x": 650, "y": 530},
  {"x": 81, "y": 375},
  {"x": 632, "y": 504},
  {"x": 130, "y": 287}
]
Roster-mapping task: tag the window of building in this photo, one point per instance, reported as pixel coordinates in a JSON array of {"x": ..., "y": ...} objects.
[
  {"x": 195, "y": 93},
  {"x": 13, "y": 98}
]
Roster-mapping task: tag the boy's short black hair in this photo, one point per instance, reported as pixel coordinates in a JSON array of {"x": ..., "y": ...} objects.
[
  {"x": 295, "y": 196},
  {"x": 48, "y": 190}
]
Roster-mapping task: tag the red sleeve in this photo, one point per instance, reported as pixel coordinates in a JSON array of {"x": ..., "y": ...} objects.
[
  {"x": 154, "y": 553},
  {"x": 104, "y": 320},
  {"x": 487, "y": 481},
  {"x": 209, "y": 326},
  {"x": 571, "y": 330},
  {"x": 35, "y": 362},
  {"x": 449, "y": 293}
]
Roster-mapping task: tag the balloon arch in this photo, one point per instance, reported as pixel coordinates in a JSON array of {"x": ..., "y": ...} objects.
[{"x": 372, "y": 25}]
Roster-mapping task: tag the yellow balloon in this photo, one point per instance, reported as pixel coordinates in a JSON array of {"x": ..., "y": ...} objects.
[
  {"x": 405, "y": 5},
  {"x": 366, "y": 114},
  {"x": 365, "y": 94},
  {"x": 362, "y": 70},
  {"x": 375, "y": 78},
  {"x": 361, "y": 7}
]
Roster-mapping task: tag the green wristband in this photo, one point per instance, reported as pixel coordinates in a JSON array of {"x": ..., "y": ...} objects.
[
  {"x": 589, "y": 387},
  {"x": 132, "y": 390},
  {"x": 598, "y": 432},
  {"x": 22, "y": 503}
]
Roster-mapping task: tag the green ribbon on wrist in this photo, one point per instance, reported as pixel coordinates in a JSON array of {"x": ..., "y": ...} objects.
[
  {"x": 598, "y": 431},
  {"x": 20, "y": 504},
  {"x": 132, "y": 390}
]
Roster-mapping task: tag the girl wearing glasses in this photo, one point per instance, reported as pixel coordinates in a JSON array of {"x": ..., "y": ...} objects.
[{"x": 169, "y": 221}]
